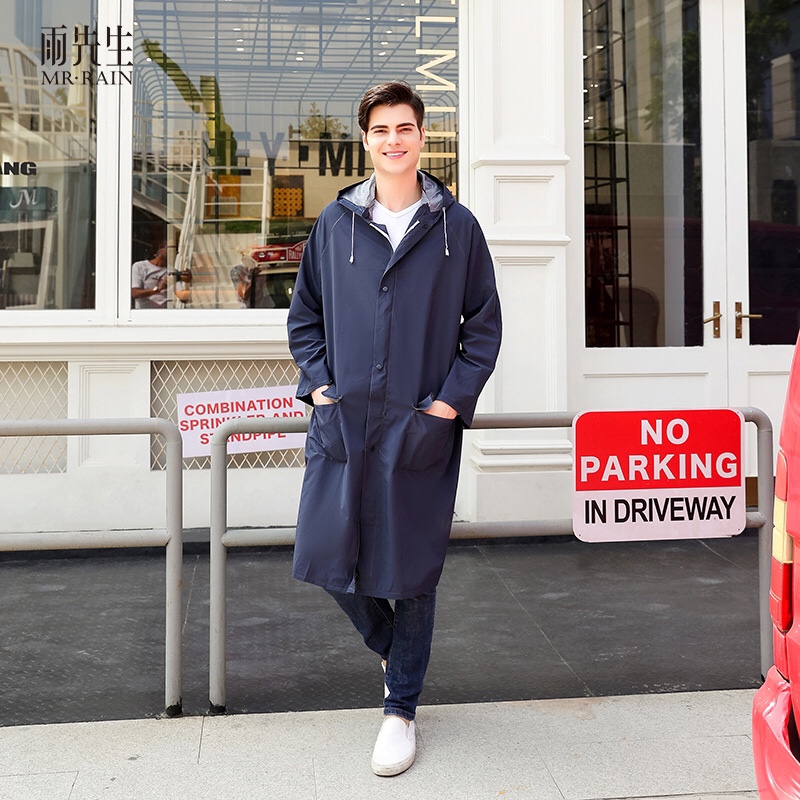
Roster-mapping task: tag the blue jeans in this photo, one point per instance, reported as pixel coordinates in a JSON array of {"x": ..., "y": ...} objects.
[{"x": 401, "y": 636}]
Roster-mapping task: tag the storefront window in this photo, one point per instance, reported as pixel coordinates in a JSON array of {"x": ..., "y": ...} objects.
[
  {"x": 245, "y": 127},
  {"x": 773, "y": 130},
  {"x": 644, "y": 271},
  {"x": 49, "y": 62}
]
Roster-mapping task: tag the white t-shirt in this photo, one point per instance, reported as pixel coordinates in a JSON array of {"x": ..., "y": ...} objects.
[
  {"x": 395, "y": 222},
  {"x": 146, "y": 275}
]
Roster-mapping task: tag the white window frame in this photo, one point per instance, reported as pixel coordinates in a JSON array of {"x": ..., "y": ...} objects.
[{"x": 23, "y": 321}]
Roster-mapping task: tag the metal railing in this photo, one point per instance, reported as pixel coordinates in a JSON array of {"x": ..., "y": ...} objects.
[
  {"x": 222, "y": 538},
  {"x": 170, "y": 537}
]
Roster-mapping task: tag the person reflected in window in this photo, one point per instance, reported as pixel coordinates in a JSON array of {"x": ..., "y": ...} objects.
[
  {"x": 149, "y": 279},
  {"x": 243, "y": 278}
]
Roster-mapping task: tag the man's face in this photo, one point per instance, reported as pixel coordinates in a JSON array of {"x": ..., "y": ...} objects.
[
  {"x": 160, "y": 257},
  {"x": 393, "y": 139}
]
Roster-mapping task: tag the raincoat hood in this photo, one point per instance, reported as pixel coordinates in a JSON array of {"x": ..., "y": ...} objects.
[{"x": 359, "y": 198}]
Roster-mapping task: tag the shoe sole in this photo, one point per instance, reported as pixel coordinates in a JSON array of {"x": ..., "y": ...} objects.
[{"x": 388, "y": 770}]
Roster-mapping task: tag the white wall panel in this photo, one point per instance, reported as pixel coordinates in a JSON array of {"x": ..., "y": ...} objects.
[
  {"x": 516, "y": 187},
  {"x": 106, "y": 389}
]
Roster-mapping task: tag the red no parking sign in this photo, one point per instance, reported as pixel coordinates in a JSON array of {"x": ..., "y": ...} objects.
[{"x": 658, "y": 475}]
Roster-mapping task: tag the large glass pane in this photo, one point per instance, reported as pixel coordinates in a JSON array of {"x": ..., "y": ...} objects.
[
  {"x": 49, "y": 67},
  {"x": 245, "y": 128},
  {"x": 644, "y": 279},
  {"x": 773, "y": 133}
]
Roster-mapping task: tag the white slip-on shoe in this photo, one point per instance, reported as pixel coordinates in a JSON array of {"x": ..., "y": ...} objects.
[{"x": 395, "y": 747}]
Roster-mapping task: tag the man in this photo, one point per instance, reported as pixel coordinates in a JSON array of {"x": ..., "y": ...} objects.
[
  {"x": 149, "y": 280},
  {"x": 242, "y": 278},
  {"x": 395, "y": 326}
]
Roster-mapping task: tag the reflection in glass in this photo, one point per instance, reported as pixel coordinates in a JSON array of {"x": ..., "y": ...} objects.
[
  {"x": 47, "y": 139},
  {"x": 245, "y": 128},
  {"x": 642, "y": 174},
  {"x": 773, "y": 130}
]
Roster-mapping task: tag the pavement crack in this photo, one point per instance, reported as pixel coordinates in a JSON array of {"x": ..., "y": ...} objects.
[
  {"x": 589, "y": 692},
  {"x": 722, "y": 557},
  {"x": 202, "y": 734},
  {"x": 543, "y": 760},
  {"x": 314, "y": 776},
  {"x": 189, "y": 593}
]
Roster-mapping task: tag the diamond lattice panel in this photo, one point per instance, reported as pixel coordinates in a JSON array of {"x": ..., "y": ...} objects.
[
  {"x": 33, "y": 390},
  {"x": 171, "y": 378}
]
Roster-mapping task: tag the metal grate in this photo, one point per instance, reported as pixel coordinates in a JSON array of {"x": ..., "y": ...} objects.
[
  {"x": 33, "y": 390},
  {"x": 171, "y": 378}
]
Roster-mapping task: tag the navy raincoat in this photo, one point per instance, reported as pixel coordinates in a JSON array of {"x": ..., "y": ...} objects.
[{"x": 390, "y": 331}]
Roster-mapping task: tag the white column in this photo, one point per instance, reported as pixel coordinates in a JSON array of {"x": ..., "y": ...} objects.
[{"x": 513, "y": 130}]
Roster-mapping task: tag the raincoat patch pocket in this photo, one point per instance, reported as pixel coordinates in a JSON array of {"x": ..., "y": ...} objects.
[
  {"x": 325, "y": 432},
  {"x": 427, "y": 443}
]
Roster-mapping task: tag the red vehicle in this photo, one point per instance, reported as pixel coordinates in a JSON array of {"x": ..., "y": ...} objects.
[{"x": 776, "y": 707}]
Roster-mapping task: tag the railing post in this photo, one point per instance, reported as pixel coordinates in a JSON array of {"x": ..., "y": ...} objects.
[
  {"x": 172, "y": 537},
  {"x": 174, "y": 568},
  {"x": 217, "y": 551},
  {"x": 218, "y": 570},
  {"x": 766, "y": 500}
]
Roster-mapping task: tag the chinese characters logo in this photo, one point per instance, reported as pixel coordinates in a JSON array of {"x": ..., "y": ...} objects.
[{"x": 86, "y": 56}]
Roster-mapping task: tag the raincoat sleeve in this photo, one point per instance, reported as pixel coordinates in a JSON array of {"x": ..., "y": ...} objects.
[
  {"x": 481, "y": 331},
  {"x": 306, "y": 325}
]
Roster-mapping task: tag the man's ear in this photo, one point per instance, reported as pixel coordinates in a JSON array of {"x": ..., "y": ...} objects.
[
  {"x": 422, "y": 134},
  {"x": 364, "y": 140}
]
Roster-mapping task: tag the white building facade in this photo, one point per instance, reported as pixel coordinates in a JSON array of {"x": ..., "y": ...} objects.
[{"x": 631, "y": 163}]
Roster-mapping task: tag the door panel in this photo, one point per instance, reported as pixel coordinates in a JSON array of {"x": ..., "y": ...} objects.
[
  {"x": 772, "y": 52},
  {"x": 666, "y": 205},
  {"x": 643, "y": 174}
]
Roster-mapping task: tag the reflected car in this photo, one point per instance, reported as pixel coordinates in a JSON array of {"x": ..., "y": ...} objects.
[{"x": 275, "y": 274}]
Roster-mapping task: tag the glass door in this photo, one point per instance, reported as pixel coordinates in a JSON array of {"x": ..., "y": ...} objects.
[
  {"x": 772, "y": 50},
  {"x": 653, "y": 278},
  {"x": 643, "y": 174}
]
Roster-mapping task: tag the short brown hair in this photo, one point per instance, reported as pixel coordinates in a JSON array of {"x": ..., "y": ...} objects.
[{"x": 393, "y": 93}]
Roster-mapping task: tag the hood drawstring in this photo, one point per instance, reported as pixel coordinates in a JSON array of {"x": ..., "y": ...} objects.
[
  {"x": 353, "y": 232},
  {"x": 352, "y": 237}
]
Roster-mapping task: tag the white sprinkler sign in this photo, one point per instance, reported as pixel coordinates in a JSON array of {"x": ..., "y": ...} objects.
[
  {"x": 658, "y": 475},
  {"x": 201, "y": 413}
]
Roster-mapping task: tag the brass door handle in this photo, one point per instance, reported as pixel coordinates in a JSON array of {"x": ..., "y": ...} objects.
[
  {"x": 715, "y": 318},
  {"x": 740, "y": 315}
]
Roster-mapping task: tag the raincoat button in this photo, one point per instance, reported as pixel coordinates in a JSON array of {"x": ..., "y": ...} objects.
[
  {"x": 379, "y": 367},
  {"x": 384, "y": 288}
]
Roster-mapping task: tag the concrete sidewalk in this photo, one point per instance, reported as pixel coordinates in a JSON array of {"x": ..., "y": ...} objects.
[{"x": 687, "y": 745}]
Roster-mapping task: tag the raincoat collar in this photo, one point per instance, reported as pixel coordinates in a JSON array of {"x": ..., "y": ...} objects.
[{"x": 359, "y": 197}]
